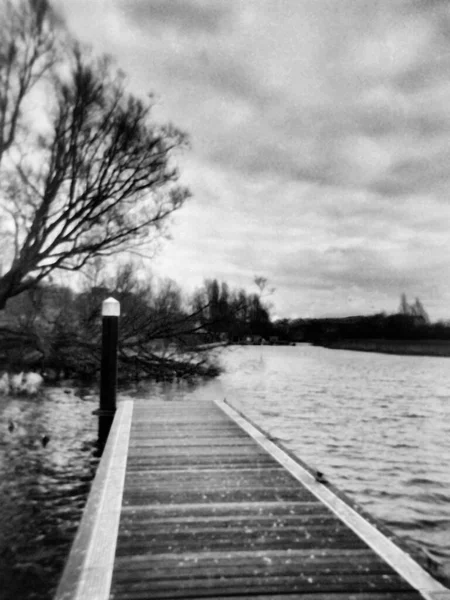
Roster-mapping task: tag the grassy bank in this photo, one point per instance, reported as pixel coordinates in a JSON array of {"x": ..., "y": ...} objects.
[{"x": 408, "y": 347}]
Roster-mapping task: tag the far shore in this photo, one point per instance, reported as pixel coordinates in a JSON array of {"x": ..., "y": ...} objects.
[{"x": 407, "y": 347}]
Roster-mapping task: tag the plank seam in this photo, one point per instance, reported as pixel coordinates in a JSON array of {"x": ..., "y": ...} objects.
[{"x": 399, "y": 560}]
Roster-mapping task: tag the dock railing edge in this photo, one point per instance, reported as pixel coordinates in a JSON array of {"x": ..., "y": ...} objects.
[
  {"x": 88, "y": 571},
  {"x": 397, "y": 558}
]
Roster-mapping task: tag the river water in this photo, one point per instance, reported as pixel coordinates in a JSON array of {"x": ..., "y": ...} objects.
[
  {"x": 377, "y": 425},
  {"x": 47, "y": 462}
]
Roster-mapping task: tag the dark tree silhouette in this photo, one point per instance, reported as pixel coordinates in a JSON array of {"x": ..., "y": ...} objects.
[
  {"x": 230, "y": 314},
  {"x": 96, "y": 179},
  {"x": 58, "y": 331},
  {"x": 28, "y": 44}
]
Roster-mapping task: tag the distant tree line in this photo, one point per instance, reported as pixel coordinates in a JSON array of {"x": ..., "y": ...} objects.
[
  {"x": 165, "y": 334},
  {"x": 378, "y": 326},
  {"x": 410, "y": 323},
  {"x": 231, "y": 314}
]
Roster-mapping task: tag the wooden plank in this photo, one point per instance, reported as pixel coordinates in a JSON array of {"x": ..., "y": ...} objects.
[
  {"x": 226, "y": 527},
  {"x": 219, "y": 451},
  {"x": 242, "y": 522},
  {"x": 180, "y": 545},
  {"x": 144, "y": 497},
  {"x": 174, "y": 463},
  {"x": 149, "y": 572},
  {"x": 139, "y": 484},
  {"x": 275, "y": 474},
  {"x": 158, "y": 461},
  {"x": 187, "y": 442},
  {"x": 251, "y": 556},
  {"x": 227, "y": 509},
  {"x": 270, "y": 560},
  {"x": 309, "y": 525},
  {"x": 301, "y": 583}
]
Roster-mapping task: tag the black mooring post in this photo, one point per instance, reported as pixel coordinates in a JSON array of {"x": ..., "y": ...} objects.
[{"x": 108, "y": 370}]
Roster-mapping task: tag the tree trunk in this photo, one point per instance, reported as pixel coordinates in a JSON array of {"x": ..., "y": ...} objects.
[{"x": 9, "y": 286}]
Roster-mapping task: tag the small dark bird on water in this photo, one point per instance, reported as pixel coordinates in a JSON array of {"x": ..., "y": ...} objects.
[
  {"x": 45, "y": 440},
  {"x": 320, "y": 477},
  {"x": 11, "y": 426}
]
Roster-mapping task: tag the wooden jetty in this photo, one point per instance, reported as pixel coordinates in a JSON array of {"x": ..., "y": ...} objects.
[{"x": 192, "y": 501}]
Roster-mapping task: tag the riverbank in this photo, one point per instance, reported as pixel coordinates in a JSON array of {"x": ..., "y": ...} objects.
[{"x": 406, "y": 347}]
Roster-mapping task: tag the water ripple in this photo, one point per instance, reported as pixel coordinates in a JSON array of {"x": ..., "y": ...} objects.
[
  {"x": 42, "y": 489},
  {"x": 377, "y": 425}
]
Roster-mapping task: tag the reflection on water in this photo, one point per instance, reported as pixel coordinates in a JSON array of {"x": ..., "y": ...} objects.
[
  {"x": 47, "y": 462},
  {"x": 377, "y": 425}
]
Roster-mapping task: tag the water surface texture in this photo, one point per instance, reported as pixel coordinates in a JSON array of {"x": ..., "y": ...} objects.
[
  {"x": 377, "y": 425},
  {"x": 47, "y": 462}
]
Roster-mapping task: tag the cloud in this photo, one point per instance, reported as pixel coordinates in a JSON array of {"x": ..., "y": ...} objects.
[
  {"x": 317, "y": 244},
  {"x": 306, "y": 90},
  {"x": 320, "y": 140},
  {"x": 191, "y": 16}
]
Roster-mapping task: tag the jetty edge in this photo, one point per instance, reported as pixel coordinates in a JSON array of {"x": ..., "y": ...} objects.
[
  {"x": 192, "y": 500},
  {"x": 346, "y": 511},
  {"x": 88, "y": 570}
]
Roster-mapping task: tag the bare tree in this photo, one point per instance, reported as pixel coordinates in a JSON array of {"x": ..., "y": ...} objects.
[
  {"x": 27, "y": 52},
  {"x": 99, "y": 177}
]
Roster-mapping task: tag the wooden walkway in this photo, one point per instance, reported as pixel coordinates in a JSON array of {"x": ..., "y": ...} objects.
[{"x": 192, "y": 501}]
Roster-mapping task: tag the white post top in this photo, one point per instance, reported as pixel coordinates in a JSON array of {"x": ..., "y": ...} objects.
[{"x": 110, "y": 308}]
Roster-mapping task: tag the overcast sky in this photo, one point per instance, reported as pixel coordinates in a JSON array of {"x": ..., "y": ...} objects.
[{"x": 320, "y": 133}]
